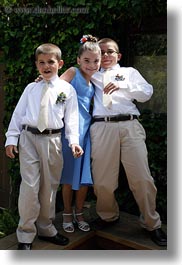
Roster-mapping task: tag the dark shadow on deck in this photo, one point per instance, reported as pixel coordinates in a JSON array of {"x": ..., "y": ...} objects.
[{"x": 124, "y": 235}]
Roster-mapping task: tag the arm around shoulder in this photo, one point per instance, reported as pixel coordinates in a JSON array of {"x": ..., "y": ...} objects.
[{"x": 69, "y": 74}]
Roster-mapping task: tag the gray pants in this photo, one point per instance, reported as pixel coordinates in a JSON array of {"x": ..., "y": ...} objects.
[{"x": 40, "y": 167}]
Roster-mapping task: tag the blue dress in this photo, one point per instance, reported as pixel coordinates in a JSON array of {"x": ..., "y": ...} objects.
[{"x": 77, "y": 171}]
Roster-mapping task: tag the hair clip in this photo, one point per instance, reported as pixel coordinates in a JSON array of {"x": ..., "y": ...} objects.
[{"x": 86, "y": 38}]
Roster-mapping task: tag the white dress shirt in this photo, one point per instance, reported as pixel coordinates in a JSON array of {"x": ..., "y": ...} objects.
[
  {"x": 131, "y": 86},
  {"x": 28, "y": 107}
]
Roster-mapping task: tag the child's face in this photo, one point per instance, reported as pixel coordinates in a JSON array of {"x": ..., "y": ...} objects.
[
  {"x": 110, "y": 56},
  {"x": 89, "y": 62},
  {"x": 48, "y": 65}
]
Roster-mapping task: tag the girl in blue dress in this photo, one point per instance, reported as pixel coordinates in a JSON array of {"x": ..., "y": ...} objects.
[{"x": 76, "y": 174}]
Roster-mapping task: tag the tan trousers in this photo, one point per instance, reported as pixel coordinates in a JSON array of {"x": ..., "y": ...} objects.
[
  {"x": 125, "y": 141},
  {"x": 40, "y": 167}
]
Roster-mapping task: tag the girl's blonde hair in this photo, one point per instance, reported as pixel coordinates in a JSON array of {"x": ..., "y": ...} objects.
[{"x": 88, "y": 43}]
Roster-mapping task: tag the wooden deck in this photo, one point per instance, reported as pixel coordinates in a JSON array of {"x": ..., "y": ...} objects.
[{"x": 124, "y": 235}]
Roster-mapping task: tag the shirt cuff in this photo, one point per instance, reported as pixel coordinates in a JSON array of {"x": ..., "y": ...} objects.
[
  {"x": 11, "y": 140},
  {"x": 73, "y": 140}
]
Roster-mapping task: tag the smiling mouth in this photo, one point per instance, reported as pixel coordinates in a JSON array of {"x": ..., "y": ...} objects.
[
  {"x": 91, "y": 70},
  {"x": 47, "y": 72}
]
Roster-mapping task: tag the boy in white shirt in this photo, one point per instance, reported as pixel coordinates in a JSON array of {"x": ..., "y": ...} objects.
[
  {"x": 40, "y": 150},
  {"x": 117, "y": 135}
]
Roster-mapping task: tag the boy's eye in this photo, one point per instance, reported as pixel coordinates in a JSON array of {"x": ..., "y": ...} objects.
[
  {"x": 51, "y": 62},
  {"x": 109, "y": 52}
]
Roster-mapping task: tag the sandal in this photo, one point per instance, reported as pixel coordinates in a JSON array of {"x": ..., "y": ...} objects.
[
  {"x": 68, "y": 226},
  {"x": 82, "y": 225}
]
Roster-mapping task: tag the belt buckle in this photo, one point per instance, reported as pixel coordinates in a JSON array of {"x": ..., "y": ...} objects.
[
  {"x": 50, "y": 131},
  {"x": 106, "y": 119},
  {"x": 131, "y": 117}
]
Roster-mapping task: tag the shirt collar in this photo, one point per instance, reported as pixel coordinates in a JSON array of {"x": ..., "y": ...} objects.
[
  {"x": 114, "y": 67},
  {"x": 52, "y": 80}
]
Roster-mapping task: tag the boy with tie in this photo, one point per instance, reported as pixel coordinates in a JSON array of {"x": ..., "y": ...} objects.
[
  {"x": 36, "y": 127},
  {"x": 117, "y": 135}
]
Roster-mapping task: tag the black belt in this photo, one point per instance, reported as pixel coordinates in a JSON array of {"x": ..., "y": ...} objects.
[
  {"x": 116, "y": 118},
  {"x": 36, "y": 131}
]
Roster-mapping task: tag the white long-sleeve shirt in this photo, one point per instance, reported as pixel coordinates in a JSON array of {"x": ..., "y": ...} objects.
[
  {"x": 131, "y": 86},
  {"x": 28, "y": 107}
]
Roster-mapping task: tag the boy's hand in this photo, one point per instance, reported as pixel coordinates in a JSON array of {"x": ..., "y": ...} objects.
[
  {"x": 11, "y": 150},
  {"x": 110, "y": 88},
  {"x": 38, "y": 79},
  {"x": 77, "y": 151}
]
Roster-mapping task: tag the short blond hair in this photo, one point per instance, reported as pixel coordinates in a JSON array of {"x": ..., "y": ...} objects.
[
  {"x": 48, "y": 48},
  {"x": 108, "y": 40}
]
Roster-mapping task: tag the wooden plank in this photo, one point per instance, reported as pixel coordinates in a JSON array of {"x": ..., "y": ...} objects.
[
  {"x": 81, "y": 239},
  {"x": 8, "y": 242},
  {"x": 126, "y": 234},
  {"x": 120, "y": 241},
  {"x": 104, "y": 243}
]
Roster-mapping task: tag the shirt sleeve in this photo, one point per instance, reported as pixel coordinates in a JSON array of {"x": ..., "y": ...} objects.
[
  {"x": 15, "y": 127},
  {"x": 71, "y": 118},
  {"x": 97, "y": 80},
  {"x": 136, "y": 87}
]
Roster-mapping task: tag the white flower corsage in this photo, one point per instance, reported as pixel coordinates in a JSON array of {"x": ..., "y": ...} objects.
[
  {"x": 61, "y": 98},
  {"x": 119, "y": 77}
]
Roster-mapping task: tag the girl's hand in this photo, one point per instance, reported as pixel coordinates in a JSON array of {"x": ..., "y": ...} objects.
[{"x": 77, "y": 151}]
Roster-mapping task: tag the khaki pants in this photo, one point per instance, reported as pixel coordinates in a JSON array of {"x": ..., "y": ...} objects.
[
  {"x": 123, "y": 141},
  {"x": 40, "y": 167}
]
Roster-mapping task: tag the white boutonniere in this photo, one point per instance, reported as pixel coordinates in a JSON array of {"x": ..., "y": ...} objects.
[
  {"x": 61, "y": 98},
  {"x": 119, "y": 77}
]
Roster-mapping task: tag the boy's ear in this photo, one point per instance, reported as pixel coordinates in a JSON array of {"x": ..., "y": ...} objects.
[
  {"x": 61, "y": 63},
  {"x": 78, "y": 60},
  {"x": 119, "y": 56}
]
